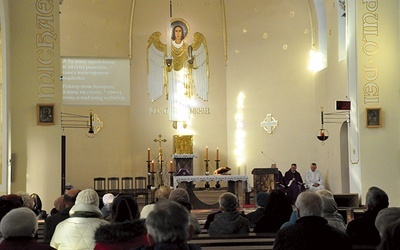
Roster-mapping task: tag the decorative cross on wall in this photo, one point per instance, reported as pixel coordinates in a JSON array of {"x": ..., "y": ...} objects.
[{"x": 269, "y": 124}]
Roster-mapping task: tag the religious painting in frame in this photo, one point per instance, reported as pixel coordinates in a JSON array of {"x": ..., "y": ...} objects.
[
  {"x": 374, "y": 118},
  {"x": 45, "y": 113}
]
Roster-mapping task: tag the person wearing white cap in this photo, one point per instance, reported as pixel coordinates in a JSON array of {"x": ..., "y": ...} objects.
[
  {"x": 107, "y": 203},
  {"x": 77, "y": 232},
  {"x": 18, "y": 228}
]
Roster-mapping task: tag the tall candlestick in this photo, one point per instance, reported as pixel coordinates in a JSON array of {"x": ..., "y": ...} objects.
[
  {"x": 152, "y": 166},
  {"x": 171, "y": 166},
  {"x": 148, "y": 154},
  {"x": 206, "y": 152},
  {"x": 217, "y": 153}
]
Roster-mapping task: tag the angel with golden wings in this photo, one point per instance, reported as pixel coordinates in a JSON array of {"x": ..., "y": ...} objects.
[{"x": 178, "y": 69}]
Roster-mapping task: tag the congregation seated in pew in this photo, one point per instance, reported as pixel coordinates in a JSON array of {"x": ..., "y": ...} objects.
[
  {"x": 311, "y": 230},
  {"x": 229, "y": 221}
]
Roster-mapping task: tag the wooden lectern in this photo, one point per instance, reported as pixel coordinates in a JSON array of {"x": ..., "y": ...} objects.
[{"x": 264, "y": 179}]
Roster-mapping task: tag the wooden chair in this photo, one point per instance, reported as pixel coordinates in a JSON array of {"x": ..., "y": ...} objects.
[
  {"x": 99, "y": 186},
  {"x": 127, "y": 185},
  {"x": 141, "y": 188},
  {"x": 113, "y": 185}
]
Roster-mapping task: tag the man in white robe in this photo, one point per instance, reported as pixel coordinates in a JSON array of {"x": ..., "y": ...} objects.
[{"x": 314, "y": 179}]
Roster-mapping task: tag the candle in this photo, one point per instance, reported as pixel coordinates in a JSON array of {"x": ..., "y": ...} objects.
[
  {"x": 148, "y": 154},
  {"x": 152, "y": 166},
  {"x": 206, "y": 152},
  {"x": 171, "y": 166},
  {"x": 217, "y": 154}
]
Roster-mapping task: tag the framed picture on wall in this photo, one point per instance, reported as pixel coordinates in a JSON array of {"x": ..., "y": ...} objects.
[
  {"x": 45, "y": 114},
  {"x": 374, "y": 118}
]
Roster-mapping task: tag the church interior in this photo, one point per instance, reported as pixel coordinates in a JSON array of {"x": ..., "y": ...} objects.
[{"x": 264, "y": 81}]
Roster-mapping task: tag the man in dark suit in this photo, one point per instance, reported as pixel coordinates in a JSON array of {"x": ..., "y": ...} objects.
[
  {"x": 52, "y": 221},
  {"x": 311, "y": 231}
]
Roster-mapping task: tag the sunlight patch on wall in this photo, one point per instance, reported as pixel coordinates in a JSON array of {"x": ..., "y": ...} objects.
[{"x": 240, "y": 134}]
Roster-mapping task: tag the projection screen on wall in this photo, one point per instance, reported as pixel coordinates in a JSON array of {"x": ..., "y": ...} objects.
[{"x": 96, "y": 81}]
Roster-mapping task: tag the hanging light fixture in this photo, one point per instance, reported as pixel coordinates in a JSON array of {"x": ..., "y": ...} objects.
[
  {"x": 91, "y": 122},
  {"x": 333, "y": 117}
]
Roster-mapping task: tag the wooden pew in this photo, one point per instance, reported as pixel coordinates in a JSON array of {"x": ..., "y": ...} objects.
[
  {"x": 234, "y": 241},
  {"x": 40, "y": 231}
]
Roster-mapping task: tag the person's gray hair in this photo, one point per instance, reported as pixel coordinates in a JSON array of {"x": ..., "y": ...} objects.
[
  {"x": 309, "y": 203},
  {"x": 228, "y": 202},
  {"x": 168, "y": 222},
  {"x": 26, "y": 198},
  {"x": 376, "y": 198},
  {"x": 19, "y": 222},
  {"x": 385, "y": 217}
]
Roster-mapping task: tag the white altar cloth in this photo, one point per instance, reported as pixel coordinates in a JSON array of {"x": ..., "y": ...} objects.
[{"x": 199, "y": 178}]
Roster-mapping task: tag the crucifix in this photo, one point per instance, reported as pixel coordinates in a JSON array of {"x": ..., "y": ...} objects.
[
  {"x": 160, "y": 160},
  {"x": 269, "y": 124}
]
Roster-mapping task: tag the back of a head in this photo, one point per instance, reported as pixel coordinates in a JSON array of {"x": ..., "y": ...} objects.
[
  {"x": 329, "y": 206},
  {"x": 163, "y": 192},
  {"x": 278, "y": 203},
  {"x": 376, "y": 198},
  {"x": 26, "y": 199},
  {"x": 385, "y": 217},
  {"x": 324, "y": 192},
  {"x": 262, "y": 199},
  {"x": 108, "y": 199},
  {"x": 309, "y": 204},
  {"x": 124, "y": 208},
  {"x": 9, "y": 202},
  {"x": 70, "y": 197},
  {"x": 168, "y": 222},
  {"x": 88, "y": 196},
  {"x": 228, "y": 202},
  {"x": 181, "y": 196},
  {"x": 19, "y": 222}
]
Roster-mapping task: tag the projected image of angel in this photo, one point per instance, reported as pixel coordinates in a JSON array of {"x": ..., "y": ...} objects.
[{"x": 178, "y": 70}]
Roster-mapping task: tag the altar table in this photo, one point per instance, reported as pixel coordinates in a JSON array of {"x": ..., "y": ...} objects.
[{"x": 235, "y": 185}]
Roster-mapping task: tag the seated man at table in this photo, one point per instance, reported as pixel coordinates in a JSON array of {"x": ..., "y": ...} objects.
[
  {"x": 294, "y": 183},
  {"x": 229, "y": 221}
]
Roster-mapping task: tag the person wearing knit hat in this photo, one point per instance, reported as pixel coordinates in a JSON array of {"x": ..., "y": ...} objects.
[
  {"x": 77, "y": 232},
  {"x": 262, "y": 201},
  {"x": 51, "y": 222},
  {"x": 181, "y": 196},
  {"x": 18, "y": 228},
  {"x": 88, "y": 197}
]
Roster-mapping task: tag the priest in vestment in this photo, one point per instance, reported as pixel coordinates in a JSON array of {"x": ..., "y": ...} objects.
[
  {"x": 294, "y": 183},
  {"x": 314, "y": 178}
]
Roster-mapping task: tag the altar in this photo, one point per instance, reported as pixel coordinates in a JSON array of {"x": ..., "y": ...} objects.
[{"x": 237, "y": 184}]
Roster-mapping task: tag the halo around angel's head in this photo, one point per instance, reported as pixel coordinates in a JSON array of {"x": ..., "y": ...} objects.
[{"x": 181, "y": 23}]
